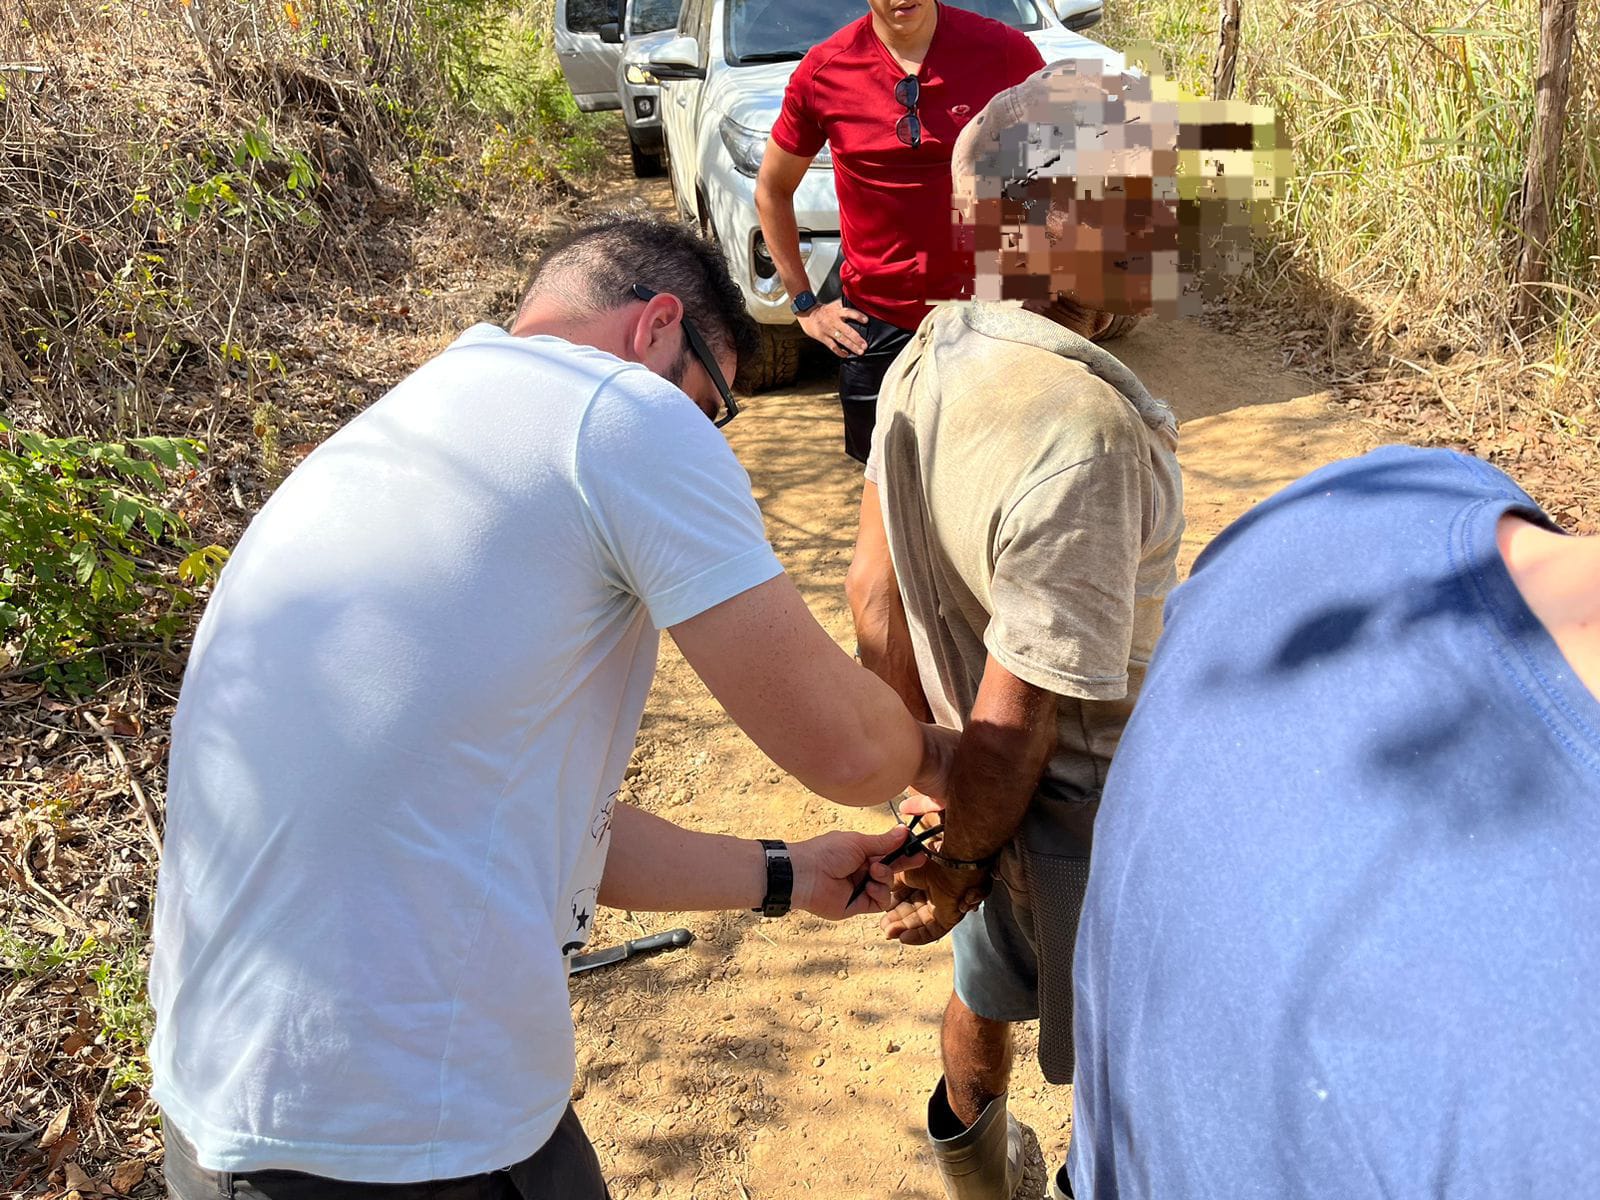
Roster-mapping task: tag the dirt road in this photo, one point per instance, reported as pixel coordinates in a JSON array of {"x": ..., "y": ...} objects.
[{"x": 793, "y": 1058}]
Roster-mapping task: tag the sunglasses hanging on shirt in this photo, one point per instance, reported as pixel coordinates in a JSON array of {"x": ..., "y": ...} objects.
[{"x": 909, "y": 127}]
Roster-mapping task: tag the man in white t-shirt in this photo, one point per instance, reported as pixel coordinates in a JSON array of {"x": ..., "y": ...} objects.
[{"x": 406, "y": 718}]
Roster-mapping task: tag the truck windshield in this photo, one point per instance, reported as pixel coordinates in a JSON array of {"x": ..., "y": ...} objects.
[
  {"x": 774, "y": 30},
  {"x": 652, "y": 16}
]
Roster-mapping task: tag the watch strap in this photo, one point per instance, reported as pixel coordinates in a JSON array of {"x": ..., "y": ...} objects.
[{"x": 780, "y": 878}]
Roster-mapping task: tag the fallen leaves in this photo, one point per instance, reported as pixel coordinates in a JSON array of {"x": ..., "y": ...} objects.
[
  {"x": 127, "y": 1176},
  {"x": 57, "y": 1126}
]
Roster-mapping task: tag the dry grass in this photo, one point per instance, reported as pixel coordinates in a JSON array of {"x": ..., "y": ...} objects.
[
  {"x": 1411, "y": 125},
  {"x": 175, "y": 179}
]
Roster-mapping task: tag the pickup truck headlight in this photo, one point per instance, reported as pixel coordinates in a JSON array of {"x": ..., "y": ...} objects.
[
  {"x": 745, "y": 146},
  {"x": 638, "y": 76}
]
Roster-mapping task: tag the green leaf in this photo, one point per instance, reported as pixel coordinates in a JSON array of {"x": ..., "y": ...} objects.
[
  {"x": 164, "y": 449},
  {"x": 124, "y": 513},
  {"x": 83, "y": 561},
  {"x": 202, "y": 565},
  {"x": 256, "y": 146},
  {"x": 122, "y": 567}
]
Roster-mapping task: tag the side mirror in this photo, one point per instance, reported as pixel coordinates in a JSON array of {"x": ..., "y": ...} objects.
[
  {"x": 610, "y": 33},
  {"x": 1076, "y": 17},
  {"x": 678, "y": 59}
]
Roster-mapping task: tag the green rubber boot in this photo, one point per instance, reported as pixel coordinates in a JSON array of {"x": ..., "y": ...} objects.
[{"x": 981, "y": 1161}]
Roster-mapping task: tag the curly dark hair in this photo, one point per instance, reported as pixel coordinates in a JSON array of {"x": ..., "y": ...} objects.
[{"x": 594, "y": 267}]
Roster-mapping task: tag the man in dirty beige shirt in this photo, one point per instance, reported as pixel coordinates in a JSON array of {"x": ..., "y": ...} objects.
[{"x": 1020, "y": 527}]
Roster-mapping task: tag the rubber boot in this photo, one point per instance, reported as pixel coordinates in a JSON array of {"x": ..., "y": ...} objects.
[
  {"x": 981, "y": 1161},
  {"x": 1060, "y": 1187}
]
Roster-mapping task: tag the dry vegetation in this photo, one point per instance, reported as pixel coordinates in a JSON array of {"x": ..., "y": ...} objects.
[
  {"x": 1393, "y": 266},
  {"x": 236, "y": 223}
]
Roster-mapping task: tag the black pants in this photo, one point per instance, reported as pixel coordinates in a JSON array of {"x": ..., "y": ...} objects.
[
  {"x": 860, "y": 377},
  {"x": 564, "y": 1168}
]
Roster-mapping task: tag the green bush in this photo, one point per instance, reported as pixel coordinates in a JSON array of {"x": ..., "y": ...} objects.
[{"x": 88, "y": 556}]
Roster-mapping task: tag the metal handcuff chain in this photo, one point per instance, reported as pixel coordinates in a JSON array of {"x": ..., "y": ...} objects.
[{"x": 919, "y": 841}]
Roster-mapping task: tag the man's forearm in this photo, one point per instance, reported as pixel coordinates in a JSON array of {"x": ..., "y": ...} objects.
[
  {"x": 781, "y": 230},
  {"x": 656, "y": 866},
  {"x": 1002, "y": 753},
  {"x": 990, "y": 789},
  {"x": 883, "y": 635},
  {"x": 883, "y": 641}
]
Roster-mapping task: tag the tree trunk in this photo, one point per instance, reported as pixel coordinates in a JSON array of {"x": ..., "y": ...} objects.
[
  {"x": 1227, "y": 51},
  {"x": 1553, "y": 86}
]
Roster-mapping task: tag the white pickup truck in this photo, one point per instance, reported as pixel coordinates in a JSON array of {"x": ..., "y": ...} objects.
[{"x": 722, "y": 82}]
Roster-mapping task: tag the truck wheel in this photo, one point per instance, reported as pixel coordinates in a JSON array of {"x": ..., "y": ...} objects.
[
  {"x": 646, "y": 164},
  {"x": 776, "y": 363},
  {"x": 1120, "y": 326}
]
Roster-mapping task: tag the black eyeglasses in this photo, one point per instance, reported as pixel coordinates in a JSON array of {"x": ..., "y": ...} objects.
[
  {"x": 698, "y": 347},
  {"x": 909, "y": 127}
]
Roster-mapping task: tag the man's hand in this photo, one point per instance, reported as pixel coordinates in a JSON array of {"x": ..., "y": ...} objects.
[
  {"x": 834, "y": 326},
  {"x": 827, "y": 869},
  {"x": 930, "y": 901},
  {"x": 919, "y": 804}
]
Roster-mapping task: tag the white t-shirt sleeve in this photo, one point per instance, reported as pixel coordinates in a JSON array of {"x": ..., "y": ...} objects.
[{"x": 670, "y": 507}]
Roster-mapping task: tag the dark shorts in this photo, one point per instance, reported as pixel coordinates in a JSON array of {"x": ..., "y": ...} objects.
[
  {"x": 565, "y": 1166},
  {"x": 1013, "y": 956},
  {"x": 860, "y": 377}
]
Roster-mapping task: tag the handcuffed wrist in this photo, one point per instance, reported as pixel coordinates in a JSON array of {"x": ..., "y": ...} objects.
[{"x": 962, "y": 864}]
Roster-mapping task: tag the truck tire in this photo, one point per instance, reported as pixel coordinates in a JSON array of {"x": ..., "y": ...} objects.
[
  {"x": 776, "y": 363},
  {"x": 1120, "y": 326},
  {"x": 646, "y": 165}
]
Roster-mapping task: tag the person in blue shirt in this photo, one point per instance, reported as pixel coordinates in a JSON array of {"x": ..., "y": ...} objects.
[{"x": 1342, "y": 931}]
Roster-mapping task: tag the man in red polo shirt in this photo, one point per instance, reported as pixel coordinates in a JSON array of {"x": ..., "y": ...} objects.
[{"x": 889, "y": 93}]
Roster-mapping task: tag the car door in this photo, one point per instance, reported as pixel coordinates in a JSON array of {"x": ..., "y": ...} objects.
[
  {"x": 680, "y": 105},
  {"x": 589, "y": 64}
]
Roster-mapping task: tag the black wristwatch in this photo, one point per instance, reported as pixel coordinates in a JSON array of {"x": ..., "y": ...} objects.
[
  {"x": 780, "y": 879},
  {"x": 803, "y": 303}
]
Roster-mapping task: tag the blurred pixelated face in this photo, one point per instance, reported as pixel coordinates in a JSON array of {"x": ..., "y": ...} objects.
[
  {"x": 1111, "y": 243},
  {"x": 1114, "y": 191}
]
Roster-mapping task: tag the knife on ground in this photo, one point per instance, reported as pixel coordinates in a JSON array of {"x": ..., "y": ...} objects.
[{"x": 671, "y": 939}]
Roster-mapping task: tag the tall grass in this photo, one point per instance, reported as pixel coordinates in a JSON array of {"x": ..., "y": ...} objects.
[{"x": 1411, "y": 124}]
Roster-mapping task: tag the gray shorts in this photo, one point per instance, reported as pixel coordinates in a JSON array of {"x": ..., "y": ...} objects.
[{"x": 1013, "y": 956}]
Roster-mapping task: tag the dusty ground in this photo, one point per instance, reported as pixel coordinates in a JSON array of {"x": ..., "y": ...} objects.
[{"x": 790, "y": 1058}]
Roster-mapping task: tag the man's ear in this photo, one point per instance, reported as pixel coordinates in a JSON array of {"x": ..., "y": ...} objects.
[{"x": 654, "y": 326}]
